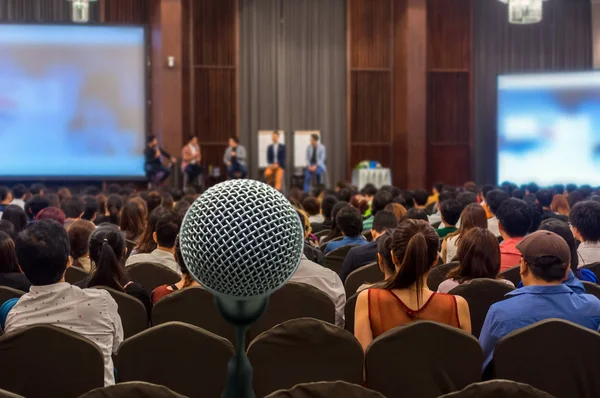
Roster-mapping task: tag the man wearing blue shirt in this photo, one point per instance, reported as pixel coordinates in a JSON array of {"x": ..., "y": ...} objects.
[
  {"x": 315, "y": 161},
  {"x": 544, "y": 265},
  {"x": 350, "y": 222}
]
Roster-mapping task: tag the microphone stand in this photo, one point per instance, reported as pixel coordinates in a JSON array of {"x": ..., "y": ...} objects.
[{"x": 241, "y": 314}]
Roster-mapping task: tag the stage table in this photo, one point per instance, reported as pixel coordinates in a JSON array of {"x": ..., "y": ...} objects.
[{"x": 378, "y": 177}]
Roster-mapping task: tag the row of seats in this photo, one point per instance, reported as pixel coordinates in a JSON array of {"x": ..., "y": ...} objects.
[{"x": 422, "y": 359}]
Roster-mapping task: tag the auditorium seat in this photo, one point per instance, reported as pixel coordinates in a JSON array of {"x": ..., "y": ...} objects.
[
  {"x": 7, "y": 293},
  {"x": 7, "y": 394},
  {"x": 349, "y": 310},
  {"x": 498, "y": 389},
  {"x": 439, "y": 273},
  {"x": 512, "y": 274},
  {"x": 75, "y": 274},
  {"x": 46, "y": 361},
  {"x": 481, "y": 294},
  {"x": 326, "y": 389},
  {"x": 423, "y": 359},
  {"x": 322, "y": 233},
  {"x": 335, "y": 258},
  {"x": 195, "y": 306},
  {"x": 595, "y": 268},
  {"x": 292, "y": 301},
  {"x": 556, "y": 356},
  {"x": 152, "y": 275},
  {"x": 591, "y": 288},
  {"x": 137, "y": 389},
  {"x": 131, "y": 310},
  {"x": 130, "y": 246},
  {"x": 369, "y": 273},
  {"x": 302, "y": 351},
  {"x": 185, "y": 358},
  {"x": 368, "y": 236}
]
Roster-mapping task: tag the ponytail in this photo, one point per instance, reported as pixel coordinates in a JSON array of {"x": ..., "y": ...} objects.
[
  {"x": 416, "y": 262},
  {"x": 106, "y": 265}
]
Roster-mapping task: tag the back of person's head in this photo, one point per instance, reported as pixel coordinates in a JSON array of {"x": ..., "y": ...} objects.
[
  {"x": 420, "y": 197},
  {"x": 79, "y": 235},
  {"x": 36, "y": 204},
  {"x": 329, "y": 201},
  {"x": 132, "y": 220},
  {"x": 415, "y": 246},
  {"x": 43, "y": 252},
  {"x": 438, "y": 187},
  {"x": 146, "y": 243},
  {"x": 90, "y": 208},
  {"x": 303, "y": 216},
  {"x": 518, "y": 194},
  {"x": 575, "y": 197},
  {"x": 532, "y": 188},
  {"x": 181, "y": 208},
  {"x": 153, "y": 200},
  {"x": 312, "y": 206},
  {"x": 495, "y": 198},
  {"x": 446, "y": 195},
  {"x": 107, "y": 248},
  {"x": 16, "y": 216},
  {"x": 409, "y": 197},
  {"x": 537, "y": 213},
  {"x": 546, "y": 255},
  {"x": 8, "y": 228},
  {"x": 473, "y": 216},
  {"x": 544, "y": 197},
  {"x": 558, "y": 189},
  {"x": 101, "y": 199},
  {"x": 479, "y": 256},
  {"x": 586, "y": 190},
  {"x": 5, "y": 194},
  {"x": 415, "y": 214},
  {"x": 560, "y": 205},
  {"x": 51, "y": 213},
  {"x": 585, "y": 219},
  {"x": 368, "y": 190},
  {"x": 114, "y": 204},
  {"x": 397, "y": 209},
  {"x": 450, "y": 210},
  {"x": 470, "y": 186},
  {"x": 466, "y": 198},
  {"x": 73, "y": 207},
  {"x": 91, "y": 190},
  {"x": 563, "y": 230},
  {"x": 485, "y": 190},
  {"x": 37, "y": 189},
  {"x": 380, "y": 201},
  {"x": 19, "y": 191},
  {"x": 350, "y": 222},
  {"x": 167, "y": 200},
  {"x": 63, "y": 193},
  {"x": 384, "y": 254},
  {"x": 384, "y": 221},
  {"x": 344, "y": 195},
  {"x": 167, "y": 229},
  {"x": 360, "y": 202},
  {"x": 179, "y": 259},
  {"x": 514, "y": 216},
  {"x": 53, "y": 200},
  {"x": 8, "y": 256},
  {"x": 570, "y": 188}
]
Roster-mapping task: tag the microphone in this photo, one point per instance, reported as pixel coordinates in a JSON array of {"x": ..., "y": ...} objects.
[{"x": 241, "y": 240}]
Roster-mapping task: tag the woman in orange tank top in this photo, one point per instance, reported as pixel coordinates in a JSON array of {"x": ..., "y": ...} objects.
[{"x": 405, "y": 298}]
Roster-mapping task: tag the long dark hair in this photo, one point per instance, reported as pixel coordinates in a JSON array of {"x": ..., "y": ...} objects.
[
  {"x": 563, "y": 230},
  {"x": 473, "y": 216},
  {"x": 133, "y": 217},
  {"x": 146, "y": 243},
  {"x": 8, "y": 255},
  {"x": 114, "y": 204},
  {"x": 107, "y": 247},
  {"x": 479, "y": 256},
  {"x": 188, "y": 279},
  {"x": 415, "y": 246},
  {"x": 336, "y": 232},
  {"x": 16, "y": 215}
]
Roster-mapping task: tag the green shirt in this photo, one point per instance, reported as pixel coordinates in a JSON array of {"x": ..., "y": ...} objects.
[
  {"x": 368, "y": 223},
  {"x": 443, "y": 232}
]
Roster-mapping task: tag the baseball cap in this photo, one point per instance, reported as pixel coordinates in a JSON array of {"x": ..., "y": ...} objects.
[{"x": 544, "y": 244}]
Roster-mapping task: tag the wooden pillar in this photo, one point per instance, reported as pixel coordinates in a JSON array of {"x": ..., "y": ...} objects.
[{"x": 596, "y": 32}]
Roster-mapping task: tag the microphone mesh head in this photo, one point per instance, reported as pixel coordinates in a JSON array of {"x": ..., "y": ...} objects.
[{"x": 241, "y": 238}]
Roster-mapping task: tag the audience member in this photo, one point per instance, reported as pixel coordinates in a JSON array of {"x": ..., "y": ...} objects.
[
  {"x": 363, "y": 255},
  {"x": 436, "y": 216},
  {"x": 114, "y": 204},
  {"x": 167, "y": 200},
  {"x": 380, "y": 201},
  {"x": 532, "y": 189},
  {"x": 53, "y": 200},
  {"x": 369, "y": 191},
  {"x": 43, "y": 253},
  {"x": 79, "y": 235},
  {"x": 472, "y": 216},
  {"x": 19, "y": 193},
  {"x": 74, "y": 208},
  {"x": 313, "y": 208},
  {"x": 479, "y": 257},
  {"x": 8, "y": 228},
  {"x": 575, "y": 197},
  {"x": 450, "y": 210},
  {"x": 570, "y": 188},
  {"x": 560, "y": 205},
  {"x": 107, "y": 249},
  {"x": 90, "y": 208},
  {"x": 153, "y": 200},
  {"x": 544, "y": 198},
  {"x": 10, "y": 273},
  {"x": 37, "y": 189},
  {"x": 5, "y": 198},
  {"x": 147, "y": 243},
  {"x": 311, "y": 244},
  {"x": 494, "y": 200},
  {"x": 164, "y": 236},
  {"x": 405, "y": 298},
  {"x": 180, "y": 209},
  {"x": 536, "y": 212},
  {"x": 350, "y": 223},
  {"x": 514, "y": 219},
  {"x": 481, "y": 198},
  {"x": 398, "y": 210},
  {"x": 335, "y": 231},
  {"x": 64, "y": 193},
  {"x": 101, "y": 199},
  {"x": 132, "y": 220},
  {"x": 36, "y": 204},
  {"x": 360, "y": 202},
  {"x": 545, "y": 264},
  {"x": 466, "y": 198},
  {"x": 52, "y": 213},
  {"x": 518, "y": 194},
  {"x": 585, "y": 221},
  {"x": 435, "y": 193},
  {"x": 16, "y": 216},
  {"x": 559, "y": 189},
  {"x": 327, "y": 204},
  {"x": 420, "y": 198},
  {"x": 186, "y": 281},
  {"x": 415, "y": 214}
]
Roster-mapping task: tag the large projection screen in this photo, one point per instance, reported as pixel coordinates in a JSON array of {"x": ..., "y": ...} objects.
[
  {"x": 72, "y": 101},
  {"x": 549, "y": 128}
]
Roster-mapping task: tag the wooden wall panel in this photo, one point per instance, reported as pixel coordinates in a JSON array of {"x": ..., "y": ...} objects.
[
  {"x": 215, "y": 98},
  {"x": 370, "y": 41},
  {"x": 449, "y": 39},
  {"x": 41, "y": 11},
  {"x": 448, "y": 121},
  {"x": 371, "y": 107},
  {"x": 125, "y": 11},
  {"x": 381, "y": 152},
  {"x": 215, "y": 32},
  {"x": 449, "y": 163}
]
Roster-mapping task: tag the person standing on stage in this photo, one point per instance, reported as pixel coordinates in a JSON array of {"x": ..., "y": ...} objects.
[
  {"x": 191, "y": 156},
  {"x": 315, "y": 160},
  {"x": 235, "y": 159},
  {"x": 153, "y": 165},
  {"x": 276, "y": 159}
]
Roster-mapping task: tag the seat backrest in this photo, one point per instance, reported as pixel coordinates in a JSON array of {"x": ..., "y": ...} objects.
[
  {"x": 439, "y": 274},
  {"x": 369, "y": 273},
  {"x": 326, "y": 389},
  {"x": 512, "y": 274},
  {"x": 137, "y": 389},
  {"x": 152, "y": 275},
  {"x": 595, "y": 268},
  {"x": 423, "y": 359},
  {"x": 7, "y": 293},
  {"x": 75, "y": 274},
  {"x": 130, "y": 246},
  {"x": 185, "y": 358},
  {"x": 349, "y": 309},
  {"x": 194, "y": 306},
  {"x": 591, "y": 288},
  {"x": 368, "y": 236},
  {"x": 292, "y": 301},
  {"x": 7, "y": 394},
  {"x": 302, "y": 351},
  {"x": 134, "y": 317},
  {"x": 498, "y": 389},
  {"x": 335, "y": 258},
  {"x": 63, "y": 364},
  {"x": 322, "y": 233},
  {"x": 481, "y": 294},
  {"x": 569, "y": 370}
]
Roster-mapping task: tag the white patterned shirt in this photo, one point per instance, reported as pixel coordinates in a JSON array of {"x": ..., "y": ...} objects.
[{"x": 91, "y": 313}]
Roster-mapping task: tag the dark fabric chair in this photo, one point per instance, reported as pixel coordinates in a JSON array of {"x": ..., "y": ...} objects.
[
  {"x": 130, "y": 246},
  {"x": 436, "y": 225},
  {"x": 430, "y": 209},
  {"x": 592, "y": 288},
  {"x": 595, "y": 268},
  {"x": 7, "y": 394},
  {"x": 553, "y": 355},
  {"x": 498, "y": 389},
  {"x": 64, "y": 363},
  {"x": 137, "y": 389},
  {"x": 75, "y": 274},
  {"x": 335, "y": 258},
  {"x": 432, "y": 359},
  {"x": 326, "y": 389},
  {"x": 349, "y": 310},
  {"x": 481, "y": 294},
  {"x": 368, "y": 236},
  {"x": 303, "y": 351},
  {"x": 182, "y": 357},
  {"x": 131, "y": 310},
  {"x": 7, "y": 293},
  {"x": 323, "y": 233},
  {"x": 439, "y": 274},
  {"x": 152, "y": 275},
  {"x": 292, "y": 301},
  {"x": 513, "y": 274},
  {"x": 194, "y": 306},
  {"x": 369, "y": 273}
]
